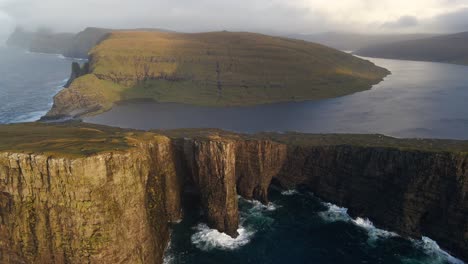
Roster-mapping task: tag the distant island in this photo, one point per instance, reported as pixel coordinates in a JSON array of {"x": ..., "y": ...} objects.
[
  {"x": 447, "y": 48},
  {"x": 211, "y": 69}
]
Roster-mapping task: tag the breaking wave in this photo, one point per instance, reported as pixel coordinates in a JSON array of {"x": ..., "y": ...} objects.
[
  {"x": 436, "y": 254},
  {"x": 373, "y": 232},
  {"x": 257, "y": 206},
  {"x": 430, "y": 247},
  {"x": 335, "y": 213},
  {"x": 289, "y": 192},
  {"x": 208, "y": 239},
  {"x": 253, "y": 217}
]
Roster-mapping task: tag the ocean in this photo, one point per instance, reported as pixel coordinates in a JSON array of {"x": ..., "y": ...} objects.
[{"x": 28, "y": 83}]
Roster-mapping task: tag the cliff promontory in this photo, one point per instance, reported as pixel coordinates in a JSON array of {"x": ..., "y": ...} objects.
[
  {"x": 213, "y": 69},
  {"x": 80, "y": 193}
]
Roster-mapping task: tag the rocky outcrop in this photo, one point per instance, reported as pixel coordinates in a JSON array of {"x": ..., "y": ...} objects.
[
  {"x": 115, "y": 207},
  {"x": 77, "y": 71}
]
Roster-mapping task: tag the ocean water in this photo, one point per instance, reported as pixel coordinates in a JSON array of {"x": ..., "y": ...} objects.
[
  {"x": 419, "y": 99},
  {"x": 28, "y": 82},
  {"x": 297, "y": 227}
]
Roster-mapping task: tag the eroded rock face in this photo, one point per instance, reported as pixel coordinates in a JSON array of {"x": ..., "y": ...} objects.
[
  {"x": 115, "y": 207},
  {"x": 108, "y": 208},
  {"x": 257, "y": 162}
]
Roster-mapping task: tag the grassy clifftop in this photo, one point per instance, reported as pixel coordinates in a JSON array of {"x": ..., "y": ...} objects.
[
  {"x": 214, "y": 69},
  {"x": 82, "y": 139}
]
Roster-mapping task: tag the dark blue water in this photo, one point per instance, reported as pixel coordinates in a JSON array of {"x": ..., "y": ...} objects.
[
  {"x": 297, "y": 228},
  {"x": 28, "y": 82},
  {"x": 419, "y": 99}
]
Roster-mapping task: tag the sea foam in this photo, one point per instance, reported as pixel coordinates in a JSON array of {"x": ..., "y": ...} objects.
[
  {"x": 289, "y": 192},
  {"x": 429, "y": 246},
  {"x": 208, "y": 239},
  {"x": 437, "y": 254},
  {"x": 373, "y": 232}
]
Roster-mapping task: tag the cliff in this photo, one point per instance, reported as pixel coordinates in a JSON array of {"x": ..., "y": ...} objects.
[
  {"x": 212, "y": 69},
  {"x": 79, "y": 193},
  {"x": 77, "y": 71}
]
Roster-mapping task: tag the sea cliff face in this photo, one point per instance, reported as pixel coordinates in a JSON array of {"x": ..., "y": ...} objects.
[
  {"x": 115, "y": 207},
  {"x": 107, "y": 208}
]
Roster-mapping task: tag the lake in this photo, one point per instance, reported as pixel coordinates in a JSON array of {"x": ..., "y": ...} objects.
[{"x": 419, "y": 99}]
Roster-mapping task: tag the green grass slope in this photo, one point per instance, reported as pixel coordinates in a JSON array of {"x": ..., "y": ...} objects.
[
  {"x": 448, "y": 49},
  {"x": 215, "y": 69}
]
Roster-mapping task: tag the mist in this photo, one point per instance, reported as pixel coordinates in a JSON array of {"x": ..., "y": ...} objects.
[{"x": 266, "y": 16}]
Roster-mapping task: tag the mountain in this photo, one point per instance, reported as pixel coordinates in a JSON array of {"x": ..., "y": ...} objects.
[
  {"x": 212, "y": 69},
  {"x": 355, "y": 41},
  {"x": 451, "y": 48}
]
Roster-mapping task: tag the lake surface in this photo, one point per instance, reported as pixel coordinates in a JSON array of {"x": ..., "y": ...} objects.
[
  {"x": 419, "y": 99},
  {"x": 28, "y": 82}
]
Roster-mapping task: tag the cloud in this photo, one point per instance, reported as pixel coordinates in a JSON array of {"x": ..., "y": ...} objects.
[
  {"x": 455, "y": 21},
  {"x": 402, "y": 22},
  {"x": 292, "y": 16}
]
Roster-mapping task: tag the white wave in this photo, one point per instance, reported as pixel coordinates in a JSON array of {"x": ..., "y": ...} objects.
[
  {"x": 335, "y": 213},
  {"x": 207, "y": 239},
  {"x": 169, "y": 259},
  {"x": 437, "y": 254},
  {"x": 289, "y": 192},
  {"x": 258, "y": 206},
  {"x": 373, "y": 232},
  {"x": 29, "y": 117},
  {"x": 168, "y": 255}
]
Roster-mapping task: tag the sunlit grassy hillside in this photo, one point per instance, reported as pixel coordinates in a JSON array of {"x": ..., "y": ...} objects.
[{"x": 219, "y": 69}]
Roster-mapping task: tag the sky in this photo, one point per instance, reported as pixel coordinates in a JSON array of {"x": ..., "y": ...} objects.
[{"x": 274, "y": 16}]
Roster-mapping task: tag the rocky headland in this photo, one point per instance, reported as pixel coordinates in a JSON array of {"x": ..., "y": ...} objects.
[
  {"x": 211, "y": 69},
  {"x": 81, "y": 193}
]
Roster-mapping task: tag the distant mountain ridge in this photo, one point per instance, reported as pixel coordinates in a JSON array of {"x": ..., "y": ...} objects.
[
  {"x": 355, "y": 41},
  {"x": 451, "y": 48}
]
